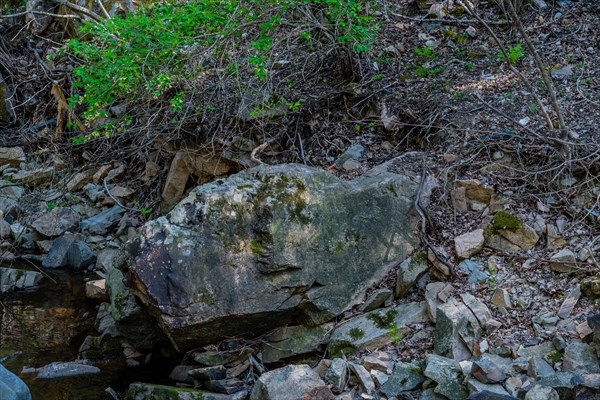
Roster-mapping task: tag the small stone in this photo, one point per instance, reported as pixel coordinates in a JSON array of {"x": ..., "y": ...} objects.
[
  {"x": 485, "y": 371},
  {"x": 409, "y": 272},
  {"x": 337, "y": 375},
  {"x": 541, "y": 4},
  {"x": 227, "y": 386},
  {"x": 469, "y": 244},
  {"x": 476, "y": 190},
  {"x": 553, "y": 239},
  {"x": 432, "y": 297},
  {"x": 293, "y": 382},
  {"x": 351, "y": 165},
  {"x": 564, "y": 261},
  {"x": 447, "y": 373},
  {"x": 376, "y": 300},
  {"x": 58, "y": 221},
  {"x": 580, "y": 357},
  {"x": 406, "y": 376},
  {"x": 498, "y": 155},
  {"x": 563, "y": 72},
  {"x": 459, "y": 199},
  {"x": 474, "y": 271},
  {"x": 180, "y": 374},
  {"x": 35, "y": 177},
  {"x": 569, "y": 302},
  {"x": 96, "y": 290},
  {"x": 478, "y": 308},
  {"x": 501, "y": 299},
  {"x": 364, "y": 377},
  {"x": 352, "y": 153},
  {"x": 80, "y": 180},
  {"x": 379, "y": 361},
  {"x": 594, "y": 323},
  {"x": 448, "y": 157},
  {"x": 539, "y": 392},
  {"x": 538, "y": 368},
  {"x": 11, "y": 155}
]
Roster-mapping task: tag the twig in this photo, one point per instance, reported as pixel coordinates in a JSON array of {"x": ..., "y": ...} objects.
[
  {"x": 564, "y": 134},
  {"x": 109, "y": 194},
  {"x": 421, "y": 212},
  {"x": 106, "y": 14},
  {"x": 509, "y": 65},
  {"x": 20, "y": 14},
  {"x": 449, "y": 21},
  {"x": 79, "y": 8},
  {"x": 531, "y": 131}
]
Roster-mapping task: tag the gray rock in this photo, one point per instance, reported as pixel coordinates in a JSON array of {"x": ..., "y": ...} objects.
[
  {"x": 11, "y": 278},
  {"x": 225, "y": 357},
  {"x": 539, "y": 392},
  {"x": 58, "y": 221},
  {"x": 213, "y": 373},
  {"x": 227, "y": 386},
  {"x": 363, "y": 377},
  {"x": 469, "y": 244},
  {"x": 564, "y": 261},
  {"x": 562, "y": 382},
  {"x": 101, "y": 223},
  {"x": 11, "y": 155},
  {"x": 12, "y": 387},
  {"x": 34, "y": 177},
  {"x": 5, "y": 231},
  {"x": 594, "y": 323},
  {"x": 478, "y": 308},
  {"x": 374, "y": 330},
  {"x": 130, "y": 320},
  {"x": 146, "y": 391},
  {"x": 410, "y": 272},
  {"x": 457, "y": 331},
  {"x": 447, "y": 374},
  {"x": 580, "y": 357},
  {"x": 376, "y": 300},
  {"x": 436, "y": 294},
  {"x": 110, "y": 258},
  {"x": 501, "y": 299},
  {"x": 337, "y": 375},
  {"x": 282, "y": 231},
  {"x": 429, "y": 394},
  {"x": 486, "y": 371},
  {"x": 291, "y": 341},
  {"x": 491, "y": 395},
  {"x": 352, "y": 153},
  {"x": 69, "y": 251},
  {"x": 538, "y": 368},
  {"x": 379, "y": 361},
  {"x": 180, "y": 374},
  {"x": 290, "y": 382},
  {"x": 541, "y": 350},
  {"x": 489, "y": 391},
  {"x": 569, "y": 302},
  {"x": 65, "y": 369},
  {"x": 11, "y": 192},
  {"x": 563, "y": 72},
  {"x": 406, "y": 376},
  {"x": 474, "y": 271}
]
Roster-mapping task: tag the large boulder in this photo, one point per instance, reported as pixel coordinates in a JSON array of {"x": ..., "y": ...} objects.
[{"x": 246, "y": 254}]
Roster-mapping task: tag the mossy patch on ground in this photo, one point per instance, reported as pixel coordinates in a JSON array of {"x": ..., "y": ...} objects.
[{"x": 505, "y": 221}]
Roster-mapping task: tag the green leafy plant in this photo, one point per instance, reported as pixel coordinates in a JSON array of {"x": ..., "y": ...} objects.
[
  {"x": 469, "y": 65},
  {"x": 394, "y": 334},
  {"x": 426, "y": 52},
  {"x": 145, "y": 56},
  {"x": 515, "y": 53}
]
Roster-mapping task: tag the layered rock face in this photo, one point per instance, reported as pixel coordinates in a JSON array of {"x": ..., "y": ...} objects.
[{"x": 270, "y": 245}]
